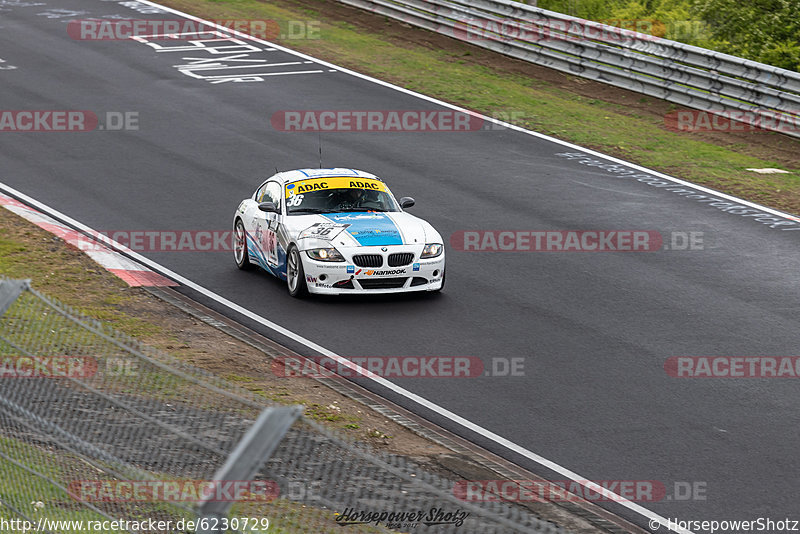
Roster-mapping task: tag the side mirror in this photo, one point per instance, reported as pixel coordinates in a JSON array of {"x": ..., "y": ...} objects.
[
  {"x": 269, "y": 207},
  {"x": 406, "y": 202}
]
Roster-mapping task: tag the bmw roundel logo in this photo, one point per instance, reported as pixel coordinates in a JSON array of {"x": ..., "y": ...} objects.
[{"x": 384, "y": 249}]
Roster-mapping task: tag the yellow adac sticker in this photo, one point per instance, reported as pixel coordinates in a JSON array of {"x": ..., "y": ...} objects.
[{"x": 336, "y": 182}]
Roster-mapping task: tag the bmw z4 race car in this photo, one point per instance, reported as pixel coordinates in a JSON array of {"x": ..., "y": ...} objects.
[{"x": 337, "y": 231}]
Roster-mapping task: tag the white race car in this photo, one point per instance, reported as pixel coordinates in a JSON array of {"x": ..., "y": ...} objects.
[{"x": 337, "y": 231}]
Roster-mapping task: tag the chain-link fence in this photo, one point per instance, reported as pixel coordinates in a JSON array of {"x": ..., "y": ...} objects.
[{"x": 97, "y": 428}]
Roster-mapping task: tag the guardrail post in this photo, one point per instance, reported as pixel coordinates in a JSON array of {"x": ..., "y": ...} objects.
[
  {"x": 253, "y": 451},
  {"x": 10, "y": 290}
]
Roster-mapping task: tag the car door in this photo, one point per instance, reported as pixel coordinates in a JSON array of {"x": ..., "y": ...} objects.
[
  {"x": 252, "y": 217},
  {"x": 266, "y": 225}
]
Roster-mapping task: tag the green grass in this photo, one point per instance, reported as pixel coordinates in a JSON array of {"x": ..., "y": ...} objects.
[
  {"x": 36, "y": 497},
  {"x": 67, "y": 275}
]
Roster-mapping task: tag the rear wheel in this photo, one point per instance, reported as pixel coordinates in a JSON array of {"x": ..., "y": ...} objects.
[
  {"x": 295, "y": 276},
  {"x": 240, "y": 246}
]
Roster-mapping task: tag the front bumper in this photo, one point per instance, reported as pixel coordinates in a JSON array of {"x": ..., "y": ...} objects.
[{"x": 349, "y": 278}]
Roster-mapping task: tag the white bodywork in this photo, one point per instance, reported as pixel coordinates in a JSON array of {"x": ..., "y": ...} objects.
[{"x": 353, "y": 234}]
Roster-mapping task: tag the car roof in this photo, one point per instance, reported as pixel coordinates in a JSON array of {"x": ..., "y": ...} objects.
[{"x": 305, "y": 174}]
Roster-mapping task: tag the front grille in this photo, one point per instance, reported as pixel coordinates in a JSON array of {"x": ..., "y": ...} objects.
[
  {"x": 399, "y": 259},
  {"x": 383, "y": 283},
  {"x": 368, "y": 260},
  {"x": 418, "y": 281}
]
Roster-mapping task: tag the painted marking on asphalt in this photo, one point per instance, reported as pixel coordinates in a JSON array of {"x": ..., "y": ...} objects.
[
  {"x": 246, "y": 77},
  {"x": 61, "y": 14},
  {"x": 136, "y": 6},
  {"x": 217, "y": 66},
  {"x": 226, "y": 54},
  {"x": 726, "y": 203}
]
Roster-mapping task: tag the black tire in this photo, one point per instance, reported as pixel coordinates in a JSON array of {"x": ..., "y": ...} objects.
[
  {"x": 295, "y": 275},
  {"x": 240, "y": 255}
]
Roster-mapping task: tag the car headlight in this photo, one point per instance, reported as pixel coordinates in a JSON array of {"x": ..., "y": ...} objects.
[
  {"x": 324, "y": 254},
  {"x": 432, "y": 250}
]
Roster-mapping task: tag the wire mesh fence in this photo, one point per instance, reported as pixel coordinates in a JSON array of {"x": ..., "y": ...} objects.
[{"x": 99, "y": 433}]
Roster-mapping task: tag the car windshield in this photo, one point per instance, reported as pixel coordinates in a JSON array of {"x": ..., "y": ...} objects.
[{"x": 338, "y": 195}]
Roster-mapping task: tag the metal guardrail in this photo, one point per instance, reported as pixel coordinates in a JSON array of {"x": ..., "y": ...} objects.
[
  {"x": 87, "y": 414},
  {"x": 746, "y": 91}
]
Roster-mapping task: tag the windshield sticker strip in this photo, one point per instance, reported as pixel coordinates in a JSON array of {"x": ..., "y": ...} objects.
[{"x": 337, "y": 182}]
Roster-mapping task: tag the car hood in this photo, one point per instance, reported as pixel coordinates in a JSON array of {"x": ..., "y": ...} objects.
[{"x": 364, "y": 229}]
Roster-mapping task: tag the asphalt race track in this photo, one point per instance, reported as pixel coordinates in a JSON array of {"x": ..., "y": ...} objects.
[{"x": 594, "y": 328}]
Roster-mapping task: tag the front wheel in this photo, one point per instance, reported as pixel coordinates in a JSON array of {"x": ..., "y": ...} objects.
[
  {"x": 295, "y": 276},
  {"x": 240, "y": 246}
]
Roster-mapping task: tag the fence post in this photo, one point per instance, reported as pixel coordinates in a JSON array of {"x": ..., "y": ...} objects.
[
  {"x": 254, "y": 449},
  {"x": 9, "y": 291}
]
